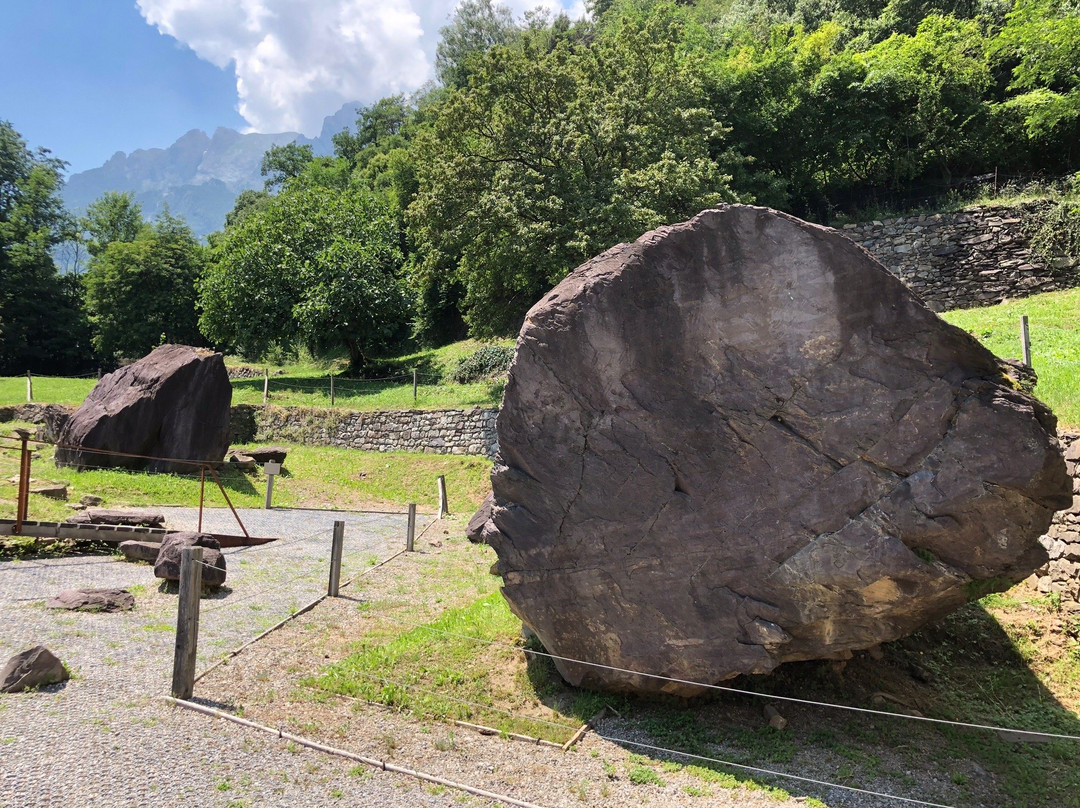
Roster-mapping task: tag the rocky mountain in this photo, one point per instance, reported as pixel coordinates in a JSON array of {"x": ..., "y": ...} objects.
[{"x": 199, "y": 176}]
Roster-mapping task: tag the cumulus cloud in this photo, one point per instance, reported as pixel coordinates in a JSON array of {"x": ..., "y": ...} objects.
[{"x": 297, "y": 61}]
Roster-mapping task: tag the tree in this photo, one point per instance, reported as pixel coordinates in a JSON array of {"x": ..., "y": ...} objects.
[
  {"x": 141, "y": 293},
  {"x": 113, "y": 216},
  {"x": 559, "y": 149},
  {"x": 41, "y": 327},
  {"x": 282, "y": 163},
  {"x": 316, "y": 265},
  {"x": 476, "y": 27}
]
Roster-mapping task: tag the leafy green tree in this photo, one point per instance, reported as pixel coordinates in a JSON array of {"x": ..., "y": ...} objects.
[
  {"x": 559, "y": 149},
  {"x": 141, "y": 292},
  {"x": 317, "y": 265},
  {"x": 41, "y": 325},
  {"x": 476, "y": 27},
  {"x": 282, "y": 163},
  {"x": 114, "y": 216}
]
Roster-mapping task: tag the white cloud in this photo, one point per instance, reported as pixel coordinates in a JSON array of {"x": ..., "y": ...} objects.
[{"x": 297, "y": 61}]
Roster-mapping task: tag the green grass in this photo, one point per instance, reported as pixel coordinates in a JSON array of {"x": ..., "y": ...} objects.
[
  {"x": 306, "y": 383},
  {"x": 1054, "y": 328},
  {"x": 314, "y": 476},
  {"x": 436, "y": 671}
]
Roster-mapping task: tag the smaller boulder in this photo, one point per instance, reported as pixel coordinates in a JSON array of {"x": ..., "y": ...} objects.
[
  {"x": 167, "y": 565},
  {"x": 475, "y": 529},
  {"x": 264, "y": 454},
  {"x": 140, "y": 550},
  {"x": 101, "y": 516},
  {"x": 51, "y": 490},
  {"x": 91, "y": 500},
  {"x": 34, "y": 667},
  {"x": 94, "y": 600}
]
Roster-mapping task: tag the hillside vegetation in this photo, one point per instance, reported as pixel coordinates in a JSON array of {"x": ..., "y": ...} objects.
[{"x": 544, "y": 142}]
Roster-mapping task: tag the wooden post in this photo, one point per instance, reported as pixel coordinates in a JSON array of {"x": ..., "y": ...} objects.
[
  {"x": 23, "y": 497},
  {"x": 410, "y": 533},
  {"x": 30, "y": 387},
  {"x": 266, "y": 384},
  {"x": 1025, "y": 340},
  {"x": 187, "y": 622},
  {"x": 335, "y": 559},
  {"x": 444, "y": 508},
  {"x": 331, "y": 389},
  {"x": 99, "y": 374},
  {"x": 414, "y": 385}
]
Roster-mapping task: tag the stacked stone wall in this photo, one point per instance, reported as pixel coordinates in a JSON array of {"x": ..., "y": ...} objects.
[
  {"x": 459, "y": 432},
  {"x": 976, "y": 257},
  {"x": 1062, "y": 541}
]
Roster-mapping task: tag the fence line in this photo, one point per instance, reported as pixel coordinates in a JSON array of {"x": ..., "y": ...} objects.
[{"x": 735, "y": 690}]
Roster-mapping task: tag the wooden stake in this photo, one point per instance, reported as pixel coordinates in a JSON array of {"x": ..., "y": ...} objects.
[
  {"x": 444, "y": 509},
  {"x": 266, "y": 384},
  {"x": 187, "y": 622},
  {"x": 335, "y": 559},
  {"x": 414, "y": 385},
  {"x": 1025, "y": 339},
  {"x": 331, "y": 389},
  {"x": 410, "y": 533},
  {"x": 30, "y": 387}
]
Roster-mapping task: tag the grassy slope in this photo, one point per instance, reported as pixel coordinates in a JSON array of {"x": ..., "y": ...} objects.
[
  {"x": 1054, "y": 327},
  {"x": 314, "y": 476}
]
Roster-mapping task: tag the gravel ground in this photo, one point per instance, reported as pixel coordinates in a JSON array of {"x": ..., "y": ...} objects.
[{"x": 106, "y": 738}]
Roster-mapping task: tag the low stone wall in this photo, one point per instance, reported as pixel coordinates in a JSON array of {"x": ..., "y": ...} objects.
[
  {"x": 1062, "y": 541},
  {"x": 460, "y": 432},
  {"x": 976, "y": 257}
]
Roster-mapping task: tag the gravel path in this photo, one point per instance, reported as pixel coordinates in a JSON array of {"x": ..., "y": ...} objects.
[{"x": 106, "y": 738}]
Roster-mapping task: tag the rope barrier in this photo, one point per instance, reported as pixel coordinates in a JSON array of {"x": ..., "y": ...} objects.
[
  {"x": 770, "y": 772},
  {"x": 738, "y": 691}
]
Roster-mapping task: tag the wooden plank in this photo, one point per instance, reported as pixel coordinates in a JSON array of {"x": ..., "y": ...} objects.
[{"x": 187, "y": 622}]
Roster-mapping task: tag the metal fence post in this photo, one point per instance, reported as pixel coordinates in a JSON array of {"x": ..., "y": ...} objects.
[
  {"x": 414, "y": 380},
  {"x": 1025, "y": 339},
  {"x": 187, "y": 622},
  {"x": 335, "y": 559}
]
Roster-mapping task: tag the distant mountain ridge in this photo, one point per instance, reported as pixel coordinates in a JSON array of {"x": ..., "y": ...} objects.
[{"x": 198, "y": 176}]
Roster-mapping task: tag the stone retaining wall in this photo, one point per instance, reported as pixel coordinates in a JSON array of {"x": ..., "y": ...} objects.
[
  {"x": 460, "y": 432},
  {"x": 976, "y": 257},
  {"x": 1062, "y": 541}
]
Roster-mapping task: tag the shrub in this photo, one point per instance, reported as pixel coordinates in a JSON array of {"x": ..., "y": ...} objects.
[{"x": 491, "y": 360}]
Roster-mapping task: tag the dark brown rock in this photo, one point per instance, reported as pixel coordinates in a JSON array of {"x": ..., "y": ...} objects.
[
  {"x": 93, "y": 600},
  {"x": 740, "y": 441},
  {"x": 35, "y": 667},
  {"x": 171, "y": 404},
  {"x": 50, "y": 490},
  {"x": 474, "y": 531},
  {"x": 140, "y": 550},
  {"x": 167, "y": 564},
  {"x": 266, "y": 454}
]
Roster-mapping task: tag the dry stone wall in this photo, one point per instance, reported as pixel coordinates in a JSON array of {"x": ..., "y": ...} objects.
[
  {"x": 1062, "y": 541},
  {"x": 976, "y": 257},
  {"x": 459, "y": 432}
]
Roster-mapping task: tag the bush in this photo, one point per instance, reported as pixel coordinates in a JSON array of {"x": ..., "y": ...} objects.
[{"x": 491, "y": 360}]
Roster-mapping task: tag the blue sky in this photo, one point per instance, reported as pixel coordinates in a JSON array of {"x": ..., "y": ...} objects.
[{"x": 93, "y": 77}]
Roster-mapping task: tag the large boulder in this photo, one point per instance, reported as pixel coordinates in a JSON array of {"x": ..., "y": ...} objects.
[
  {"x": 34, "y": 667},
  {"x": 171, "y": 404},
  {"x": 740, "y": 441},
  {"x": 167, "y": 563}
]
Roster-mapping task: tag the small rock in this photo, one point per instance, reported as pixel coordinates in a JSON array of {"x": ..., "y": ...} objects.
[
  {"x": 34, "y": 667},
  {"x": 76, "y": 506},
  {"x": 875, "y": 653},
  {"x": 435, "y": 543},
  {"x": 94, "y": 600},
  {"x": 140, "y": 550},
  {"x": 91, "y": 500},
  {"x": 776, "y": 721},
  {"x": 52, "y": 491}
]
